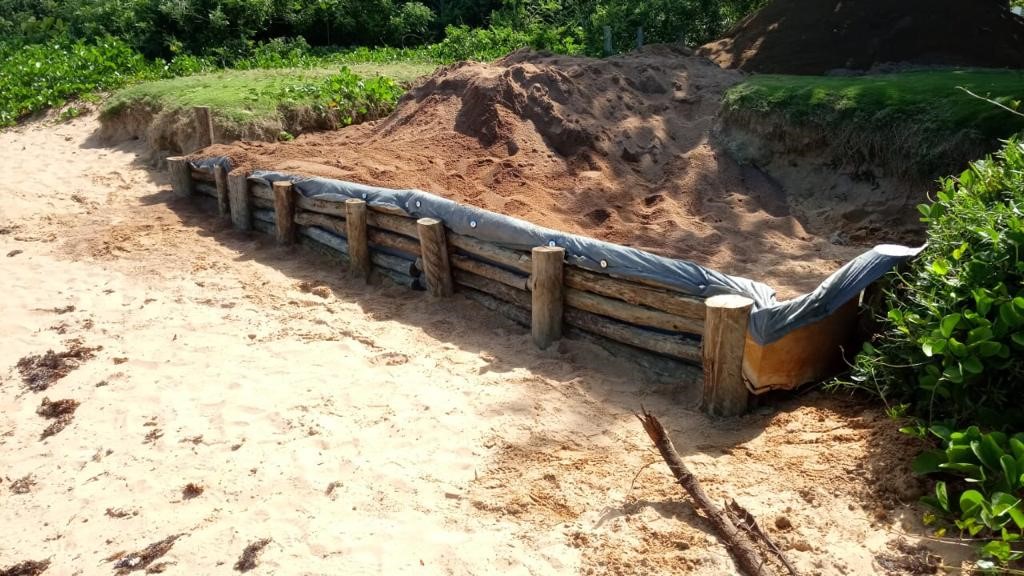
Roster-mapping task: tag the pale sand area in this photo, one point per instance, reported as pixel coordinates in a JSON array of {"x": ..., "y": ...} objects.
[{"x": 371, "y": 431}]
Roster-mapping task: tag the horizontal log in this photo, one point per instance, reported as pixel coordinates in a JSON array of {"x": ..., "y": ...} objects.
[
  {"x": 510, "y": 258},
  {"x": 326, "y": 244},
  {"x": 204, "y": 187},
  {"x": 639, "y": 315},
  {"x": 386, "y": 261},
  {"x": 392, "y": 223},
  {"x": 260, "y": 189},
  {"x": 202, "y": 174},
  {"x": 674, "y": 346},
  {"x": 490, "y": 271},
  {"x": 264, "y": 216},
  {"x": 511, "y": 311},
  {"x": 501, "y": 291},
  {"x": 264, "y": 227},
  {"x": 671, "y": 302},
  {"x": 257, "y": 202},
  {"x": 377, "y": 237},
  {"x": 320, "y": 206}
]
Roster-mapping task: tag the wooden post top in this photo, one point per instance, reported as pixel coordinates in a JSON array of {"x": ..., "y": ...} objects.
[
  {"x": 545, "y": 249},
  {"x": 355, "y": 201},
  {"x": 728, "y": 301}
]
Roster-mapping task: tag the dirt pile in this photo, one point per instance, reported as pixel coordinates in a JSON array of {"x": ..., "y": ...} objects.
[
  {"x": 618, "y": 149},
  {"x": 816, "y": 36}
]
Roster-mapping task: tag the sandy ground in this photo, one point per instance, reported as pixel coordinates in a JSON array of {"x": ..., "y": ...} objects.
[{"x": 365, "y": 430}]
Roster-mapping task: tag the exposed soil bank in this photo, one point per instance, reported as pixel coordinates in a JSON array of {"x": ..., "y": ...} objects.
[
  {"x": 816, "y": 36},
  {"x": 620, "y": 149}
]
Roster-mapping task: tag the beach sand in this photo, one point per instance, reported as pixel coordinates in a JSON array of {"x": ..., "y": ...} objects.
[{"x": 363, "y": 429}]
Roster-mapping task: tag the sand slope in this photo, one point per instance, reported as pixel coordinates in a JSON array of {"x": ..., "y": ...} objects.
[
  {"x": 366, "y": 430},
  {"x": 620, "y": 149}
]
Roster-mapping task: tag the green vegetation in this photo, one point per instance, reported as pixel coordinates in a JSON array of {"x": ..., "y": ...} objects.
[
  {"x": 950, "y": 351},
  {"x": 984, "y": 494},
  {"x": 913, "y": 123},
  {"x": 246, "y": 97}
]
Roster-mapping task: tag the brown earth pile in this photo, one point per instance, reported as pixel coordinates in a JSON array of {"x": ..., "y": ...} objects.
[
  {"x": 816, "y": 36},
  {"x": 618, "y": 149}
]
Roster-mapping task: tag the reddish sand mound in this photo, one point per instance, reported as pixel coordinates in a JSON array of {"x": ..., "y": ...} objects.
[
  {"x": 617, "y": 149},
  {"x": 815, "y": 36}
]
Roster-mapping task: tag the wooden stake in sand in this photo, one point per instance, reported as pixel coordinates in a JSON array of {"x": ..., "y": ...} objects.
[
  {"x": 220, "y": 177},
  {"x": 181, "y": 176},
  {"x": 725, "y": 333},
  {"x": 284, "y": 211},
  {"x": 547, "y": 302},
  {"x": 238, "y": 193},
  {"x": 434, "y": 249},
  {"x": 204, "y": 126},
  {"x": 739, "y": 543},
  {"x": 358, "y": 251}
]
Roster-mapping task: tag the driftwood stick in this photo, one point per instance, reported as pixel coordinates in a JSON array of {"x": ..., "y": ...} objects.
[
  {"x": 739, "y": 544},
  {"x": 741, "y": 517}
]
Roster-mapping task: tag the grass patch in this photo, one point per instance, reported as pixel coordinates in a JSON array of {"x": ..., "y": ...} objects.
[
  {"x": 912, "y": 123},
  {"x": 243, "y": 97}
]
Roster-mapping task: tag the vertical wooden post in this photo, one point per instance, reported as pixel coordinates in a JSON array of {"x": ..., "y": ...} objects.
[
  {"x": 220, "y": 176},
  {"x": 284, "y": 211},
  {"x": 181, "y": 176},
  {"x": 434, "y": 249},
  {"x": 358, "y": 250},
  {"x": 725, "y": 333},
  {"x": 639, "y": 37},
  {"x": 546, "y": 322},
  {"x": 607, "y": 40},
  {"x": 238, "y": 192},
  {"x": 204, "y": 126}
]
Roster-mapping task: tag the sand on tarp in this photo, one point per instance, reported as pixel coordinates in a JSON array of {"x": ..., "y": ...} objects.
[
  {"x": 619, "y": 149},
  {"x": 818, "y": 36}
]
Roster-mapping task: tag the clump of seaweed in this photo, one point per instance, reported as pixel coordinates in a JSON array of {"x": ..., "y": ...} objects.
[
  {"x": 60, "y": 411},
  {"x": 250, "y": 556}
]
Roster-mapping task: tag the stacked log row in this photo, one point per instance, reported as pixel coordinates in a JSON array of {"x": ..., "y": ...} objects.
[{"x": 638, "y": 313}]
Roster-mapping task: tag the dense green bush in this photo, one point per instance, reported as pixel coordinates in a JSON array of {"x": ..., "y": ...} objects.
[
  {"x": 952, "y": 343},
  {"x": 39, "y": 76},
  {"x": 344, "y": 97},
  {"x": 463, "y": 43}
]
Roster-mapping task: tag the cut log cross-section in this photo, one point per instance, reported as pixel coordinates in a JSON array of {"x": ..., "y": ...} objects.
[{"x": 725, "y": 332}]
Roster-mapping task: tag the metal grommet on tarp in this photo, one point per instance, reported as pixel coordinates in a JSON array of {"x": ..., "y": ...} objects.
[
  {"x": 472, "y": 223},
  {"x": 604, "y": 263}
]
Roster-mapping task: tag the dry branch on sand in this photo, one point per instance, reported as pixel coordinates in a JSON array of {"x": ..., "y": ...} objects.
[{"x": 735, "y": 525}]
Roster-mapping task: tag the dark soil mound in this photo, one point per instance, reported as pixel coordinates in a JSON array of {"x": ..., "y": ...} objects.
[{"x": 816, "y": 36}]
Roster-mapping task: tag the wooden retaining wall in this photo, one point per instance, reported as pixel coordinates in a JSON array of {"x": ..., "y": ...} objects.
[{"x": 536, "y": 288}]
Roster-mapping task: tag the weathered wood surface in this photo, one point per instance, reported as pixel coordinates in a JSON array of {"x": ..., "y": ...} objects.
[
  {"x": 434, "y": 251},
  {"x": 379, "y": 259},
  {"x": 202, "y": 175},
  {"x": 630, "y": 313},
  {"x": 501, "y": 291},
  {"x": 511, "y": 311},
  {"x": 238, "y": 193},
  {"x": 284, "y": 210},
  {"x": 220, "y": 179},
  {"x": 260, "y": 190},
  {"x": 358, "y": 248},
  {"x": 548, "y": 295},
  {"x": 376, "y": 237},
  {"x": 263, "y": 203},
  {"x": 725, "y": 331},
  {"x": 670, "y": 345},
  {"x": 263, "y": 226},
  {"x": 182, "y": 184},
  {"x": 203, "y": 126},
  {"x": 488, "y": 271},
  {"x": 392, "y": 223},
  {"x": 311, "y": 238},
  {"x": 266, "y": 216},
  {"x": 205, "y": 188},
  {"x": 509, "y": 258},
  {"x": 670, "y": 302},
  {"x": 331, "y": 223}
]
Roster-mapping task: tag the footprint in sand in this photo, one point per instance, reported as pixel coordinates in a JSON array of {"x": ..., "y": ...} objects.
[{"x": 389, "y": 359}]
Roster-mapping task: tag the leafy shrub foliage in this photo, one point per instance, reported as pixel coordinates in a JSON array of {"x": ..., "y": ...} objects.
[
  {"x": 952, "y": 346},
  {"x": 985, "y": 494},
  {"x": 36, "y": 77},
  {"x": 345, "y": 98}
]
